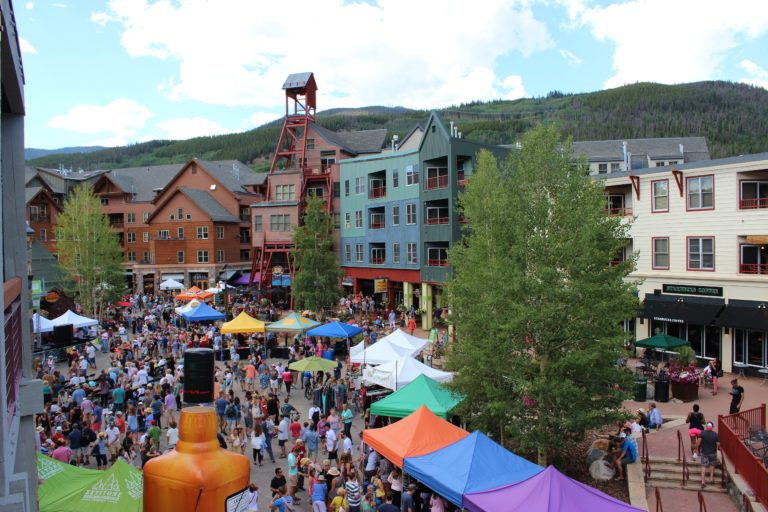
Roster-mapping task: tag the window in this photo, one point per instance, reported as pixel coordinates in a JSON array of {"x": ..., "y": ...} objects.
[
  {"x": 245, "y": 255},
  {"x": 202, "y": 232},
  {"x": 753, "y": 194},
  {"x": 220, "y": 232},
  {"x": 395, "y": 178},
  {"x": 130, "y": 237},
  {"x": 179, "y": 256},
  {"x": 410, "y": 214},
  {"x": 316, "y": 191},
  {"x": 378, "y": 255},
  {"x": 180, "y": 233},
  {"x": 145, "y": 236},
  {"x": 180, "y": 213},
  {"x": 602, "y": 168},
  {"x": 672, "y": 162},
  {"x": 285, "y": 192},
  {"x": 412, "y": 175},
  {"x": 280, "y": 222},
  {"x": 359, "y": 253},
  {"x": 701, "y": 193},
  {"x": 660, "y": 196},
  {"x": 43, "y": 234},
  {"x": 130, "y": 218},
  {"x": 660, "y": 163},
  {"x": 359, "y": 219},
  {"x": 615, "y": 167},
  {"x": 347, "y": 253},
  {"x": 189, "y": 216},
  {"x": 257, "y": 223},
  {"x": 660, "y": 253},
  {"x": 346, "y": 187},
  {"x": 396, "y": 252},
  {"x": 147, "y": 257},
  {"x": 359, "y": 185},
  {"x": 219, "y": 255},
  {"x": 437, "y": 257},
  {"x": 202, "y": 256},
  {"x": 146, "y": 217},
  {"x": 396, "y": 215},
  {"x": 336, "y": 221},
  {"x": 310, "y": 143},
  {"x": 130, "y": 256},
  {"x": 754, "y": 259},
  {"x": 163, "y": 234},
  {"x": 411, "y": 257},
  {"x": 346, "y": 220},
  {"x": 104, "y": 201},
  {"x": 701, "y": 253}
]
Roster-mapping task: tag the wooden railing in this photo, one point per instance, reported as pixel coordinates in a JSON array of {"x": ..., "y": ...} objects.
[
  {"x": 618, "y": 212},
  {"x": 437, "y": 182},
  {"x": 734, "y": 432},
  {"x": 753, "y": 268},
  {"x": 753, "y": 204},
  {"x": 432, "y": 262},
  {"x": 376, "y": 192},
  {"x": 682, "y": 457},
  {"x": 438, "y": 220}
]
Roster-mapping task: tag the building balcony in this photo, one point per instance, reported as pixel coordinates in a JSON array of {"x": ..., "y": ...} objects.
[
  {"x": 169, "y": 239},
  {"x": 377, "y": 260},
  {"x": 377, "y": 192},
  {"x": 434, "y": 220},
  {"x": 116, "y": 224},
  {"x": 38, "y": 217},
  {"x": 619, "y": 212},
  {"x": 753, "y": 268},
  {"x": 436, "y": 182},
  {"x": 437, "y": 262},
  {"x": 753, "y": 204}
]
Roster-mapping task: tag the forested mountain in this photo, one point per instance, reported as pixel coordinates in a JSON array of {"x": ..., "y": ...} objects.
[{"x": 733, "y": 118}]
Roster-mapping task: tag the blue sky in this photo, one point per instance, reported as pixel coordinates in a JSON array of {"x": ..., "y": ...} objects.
[{"x": 124, "y": 71}]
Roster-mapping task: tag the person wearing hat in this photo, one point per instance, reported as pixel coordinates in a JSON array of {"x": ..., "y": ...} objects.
[
  {"x": 334, "y": 480},
  {"x": 319, "y": 494},
  {"x": 708, "y": 445},
  {"x": 408, "y": 502}
]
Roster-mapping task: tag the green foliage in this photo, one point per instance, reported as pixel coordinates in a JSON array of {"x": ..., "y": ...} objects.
[
  {"x": 684, "y": 356},
  {"x": 536, "y": 304},
  {"x": 89, "y": 251},
  {"x": 317, "y": 281},
  {"x": 731, "y": 117}
]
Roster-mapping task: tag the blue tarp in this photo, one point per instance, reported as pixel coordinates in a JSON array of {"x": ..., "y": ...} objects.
[
  {"x": 203, "y": 313},
  {"x": 335, "y": 330},
  {"x": 475, "y": 463},
  {"x": 283, "y": 281}
]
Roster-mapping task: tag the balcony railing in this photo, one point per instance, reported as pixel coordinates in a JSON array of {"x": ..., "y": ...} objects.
[
  {"x": 753, "y": 204},
  {"x": 436, "y": 182},
  {"x": 438, "y": 220},
  {"x": 741, "y": 440},
  {"x": 619, "y": 212},
  {"x": 116, "y": 223},
  {"x": 440, "y": 262},
  {"x": 462, "y": 182},
  {"x": 13, "y": 344},
  {"x": 168, "y": 238},
  {"x": 376, "y": 192},
  {"x": 753, "y": 268},
  {"x": 39, "y": 217},
  {"x": 377, "y": 260}
]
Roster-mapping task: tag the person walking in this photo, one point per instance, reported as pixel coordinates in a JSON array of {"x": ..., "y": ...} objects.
[
  {"x": 737, "y": 397},
  {"x": 708, "y": 445},
  {"x": 695, "y": 422}
]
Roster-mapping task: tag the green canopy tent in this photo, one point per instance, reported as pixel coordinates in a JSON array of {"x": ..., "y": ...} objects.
[
  {"x": 421, "y": 391},
  {"x": 293, "y": 322},
  {"x": 661, "y": 341},
  {"x": 312, "y": 364},
  {"x": 67, "y": 488}
]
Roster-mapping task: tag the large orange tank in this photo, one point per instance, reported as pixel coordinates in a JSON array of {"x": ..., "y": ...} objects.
[{"x": 198, "y": 476}]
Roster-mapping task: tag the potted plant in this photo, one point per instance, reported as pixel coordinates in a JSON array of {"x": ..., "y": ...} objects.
[{"x": 684, "y": 376}]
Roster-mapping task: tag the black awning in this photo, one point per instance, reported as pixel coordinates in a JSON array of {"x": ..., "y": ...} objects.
[
  {"x": 673, "y": 308},
  {"x": 754, "y": 318}
]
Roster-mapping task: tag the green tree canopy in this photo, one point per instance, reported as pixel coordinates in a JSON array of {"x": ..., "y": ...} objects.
[
  {"x": 537, "y": 304},
  {"x": 89, "y": 251},
  {"x": 317, "y": 282}
]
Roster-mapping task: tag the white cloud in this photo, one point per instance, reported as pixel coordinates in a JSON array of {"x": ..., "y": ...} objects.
[
  {"x": 671, "y": 42},
  {"x": 260, "y": 118},
  {"x": 26, "y": 46},
  {"x": 571, "y": 58},
  {"x": 29, "y": 5},
  {"x": 188, "y": 127},
  {"x": 514, "y": 86},
  {"x": 121, "y": 117},
  {"x": 756, "y": 75},
  {"x": 385, "y": 53},
  {"x": 59, "y": 5}
]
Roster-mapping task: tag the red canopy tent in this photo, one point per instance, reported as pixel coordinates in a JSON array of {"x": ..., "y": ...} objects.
[{"x": 417, "y": 434}]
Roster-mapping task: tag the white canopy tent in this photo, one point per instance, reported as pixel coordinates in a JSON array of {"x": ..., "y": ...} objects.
[
  {"x": 396, "y": 374},
  {"x": 186, "y": 308},
  {"x": 45, "y": 324},
  {"x": 172, "y": 284},
  {"x": 402, "y": 339},
  {"x": 70, "y": 318},
  {"x": 382, "y": 352}
]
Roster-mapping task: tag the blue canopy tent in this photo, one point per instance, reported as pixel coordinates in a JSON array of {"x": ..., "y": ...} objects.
[
  {"x": 336, "y": 330},
  {"x": 472, "y": 464},
  {"x": 203, "y": 313}
]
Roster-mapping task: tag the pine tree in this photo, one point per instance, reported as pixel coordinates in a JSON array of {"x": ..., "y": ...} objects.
[
  {"x": 537, "y": 305},
  {"x": 89, "y": 252},
  {"x": 317, "y": 281}
]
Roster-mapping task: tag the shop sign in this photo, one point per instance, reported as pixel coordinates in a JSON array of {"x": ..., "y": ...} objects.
[
  {"x": 665, "y": 319},
  {"x": 347, "y": 281},
  {"x": 379, "y": 286},
  {"x": 709, "y": 291}
]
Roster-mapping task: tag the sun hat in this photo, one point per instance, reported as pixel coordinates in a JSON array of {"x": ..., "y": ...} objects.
[{"x": 333, "y": 472}]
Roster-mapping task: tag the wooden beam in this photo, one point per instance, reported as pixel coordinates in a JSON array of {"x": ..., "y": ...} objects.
[{"x": 11, "y": 290}]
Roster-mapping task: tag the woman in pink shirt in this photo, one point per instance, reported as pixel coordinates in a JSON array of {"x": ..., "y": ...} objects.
[{"x": 62, "y": 452}]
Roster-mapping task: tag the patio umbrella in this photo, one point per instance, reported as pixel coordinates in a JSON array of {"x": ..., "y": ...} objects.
[
  {"x": 661, "y": 341},
  {"x": 312, "y": 364}
]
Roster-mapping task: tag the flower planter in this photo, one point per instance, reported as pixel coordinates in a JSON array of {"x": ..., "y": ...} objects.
[{"x": 687, "y": 392}]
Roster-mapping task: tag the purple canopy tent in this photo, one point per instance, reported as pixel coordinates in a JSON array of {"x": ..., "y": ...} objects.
[
  {"x": 548, "y": 491},
  {"x": 243, "y": 280}
]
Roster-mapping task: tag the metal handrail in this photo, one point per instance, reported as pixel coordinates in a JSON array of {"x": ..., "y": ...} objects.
[
  {"x": 747, "y": 503},
  {"x": 645, "y": 457},
  {"x": 681, "y": 450},
  {"x": 659, "y": 506},
  {"x": 702, "y": 503}
]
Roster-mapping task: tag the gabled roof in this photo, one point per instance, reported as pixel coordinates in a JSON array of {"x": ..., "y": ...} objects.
[
  {"x": 434, "y": 119},
  {"x": 32, "y": 192},
  {"x": 694, "y": 148},
  {"x": 233, "y": 174},
  {"x": 692, "y": 166},
  {"x": 203, "y": 200},
  {"x": 355, "y": 143},
  {"x": 298, "y": 80},
  {"x": 143, "y": 182},
  {"x": 418, "y": 129}
]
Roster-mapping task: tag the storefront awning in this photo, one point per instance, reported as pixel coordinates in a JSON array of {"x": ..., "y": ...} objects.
[
  {"x": 744, "y": 314},
  {"x": 679, "y": 309},
  {"x": 175, "y": 276}
]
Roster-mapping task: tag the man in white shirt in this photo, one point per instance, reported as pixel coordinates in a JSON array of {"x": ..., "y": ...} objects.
[
  {"x": 172, "y": 435},
  {"x": 90, "y": 352},
  {"x": 142, "y": 376},
  {"x": 346, "y": 444},
  {"x": 331, "y": 444},
  {"x": 113, "y": 434}
]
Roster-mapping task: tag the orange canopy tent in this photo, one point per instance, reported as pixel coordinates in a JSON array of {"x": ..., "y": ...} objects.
[
  {"x": 417, "y": 434},
  {"x": 194, "y": 293}
]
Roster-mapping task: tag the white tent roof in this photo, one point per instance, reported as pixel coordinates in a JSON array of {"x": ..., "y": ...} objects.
[
  {"x": 382, "y": 352},
  {"x": 356, "y": 349},
  {"x": 396, "y": 374},
  {"x": 403, "y": 339},
  {"x": 74, "y": 319},
  {"x": 189, "y": 306},
  {"x": 171, "y": 284},
  {"x": 45, "y": 324}
]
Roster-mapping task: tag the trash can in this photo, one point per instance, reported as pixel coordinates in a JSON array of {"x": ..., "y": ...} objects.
[
  {"x": 641, "y": 388},
  {"x": 661, "y": 393}
]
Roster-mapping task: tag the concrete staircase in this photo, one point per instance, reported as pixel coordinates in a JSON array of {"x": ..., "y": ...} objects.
[{"x": 666, "y": 473}]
